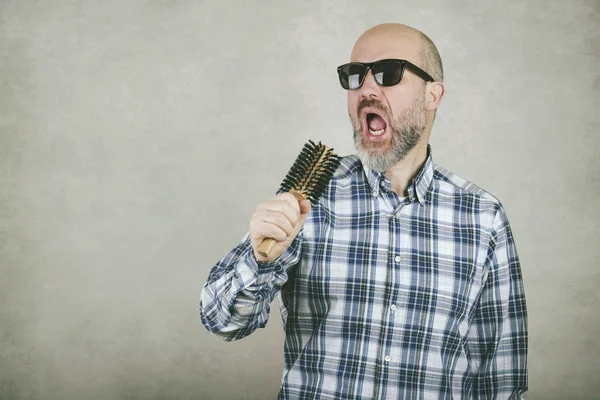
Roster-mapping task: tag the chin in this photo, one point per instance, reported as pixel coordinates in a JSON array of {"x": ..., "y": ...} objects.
[{"x": 376, "y": 159}]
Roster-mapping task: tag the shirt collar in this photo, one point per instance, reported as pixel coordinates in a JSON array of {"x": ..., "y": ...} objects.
[{"x": 418, "y": 187}]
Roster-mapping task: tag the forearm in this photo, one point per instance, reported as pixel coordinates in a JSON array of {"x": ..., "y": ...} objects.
[
  {"x": 502, "y": 363},
  {"x": 236, "y": 298}
]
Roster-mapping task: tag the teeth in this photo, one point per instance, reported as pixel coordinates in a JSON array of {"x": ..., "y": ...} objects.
[{"x": 376, "y": 133}]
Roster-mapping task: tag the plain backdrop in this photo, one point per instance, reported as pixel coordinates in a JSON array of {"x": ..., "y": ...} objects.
[{"x": 136, "y": 138}]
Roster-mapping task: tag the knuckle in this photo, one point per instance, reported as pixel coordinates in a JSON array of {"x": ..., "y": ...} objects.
[
  {"x": 276, "y": 234},
  {"x": 286, "y": 195},
  {"x": 293, "y": 220},
  {"x": 289, "y": 198},
  {"x": 287, "y": 229}
]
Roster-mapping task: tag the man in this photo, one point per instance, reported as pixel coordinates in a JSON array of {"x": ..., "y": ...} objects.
[{"x": 404, "y": 281}]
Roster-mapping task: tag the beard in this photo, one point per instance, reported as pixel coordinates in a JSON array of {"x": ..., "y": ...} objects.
[{"x": 406, "y": 131}]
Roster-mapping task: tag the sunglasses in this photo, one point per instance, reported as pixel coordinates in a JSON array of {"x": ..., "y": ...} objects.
[{"x": 386, "y": 72}]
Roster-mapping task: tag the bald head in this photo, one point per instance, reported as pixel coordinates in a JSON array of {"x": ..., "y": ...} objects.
[{"x": 399, "y": 41}]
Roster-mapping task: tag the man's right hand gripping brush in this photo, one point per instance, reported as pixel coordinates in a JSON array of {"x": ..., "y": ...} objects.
[{"x": 277, "y": 221}]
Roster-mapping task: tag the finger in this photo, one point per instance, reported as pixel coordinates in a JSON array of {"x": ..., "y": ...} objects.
[
  {"x": 268, "y": 230},
  {"x": 291, "y": 200},
  {"x": 276, "y": 204},
  {"x": 305, "y": 206},
  {"x": 281, "y": 207},
  {"x": 279, "y": 220}
]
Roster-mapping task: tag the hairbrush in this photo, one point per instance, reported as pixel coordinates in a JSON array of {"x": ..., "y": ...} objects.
[{"x": 307, "y": 179}]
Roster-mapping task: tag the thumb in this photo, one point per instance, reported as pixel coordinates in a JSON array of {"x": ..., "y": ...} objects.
[{"x": 305, "y": 207}]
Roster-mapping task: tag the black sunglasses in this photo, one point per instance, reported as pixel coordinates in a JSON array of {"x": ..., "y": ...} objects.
[{"x": 386, "y": 73}]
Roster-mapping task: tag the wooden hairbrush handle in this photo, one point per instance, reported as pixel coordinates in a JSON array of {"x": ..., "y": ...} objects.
[{"x": 265, "y": 247}]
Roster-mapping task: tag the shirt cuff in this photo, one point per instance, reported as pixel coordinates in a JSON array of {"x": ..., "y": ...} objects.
[{"x": 289, "y": 258}]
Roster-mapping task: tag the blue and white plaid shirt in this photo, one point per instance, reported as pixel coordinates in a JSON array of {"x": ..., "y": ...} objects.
[{"x": 385, "y": 297}]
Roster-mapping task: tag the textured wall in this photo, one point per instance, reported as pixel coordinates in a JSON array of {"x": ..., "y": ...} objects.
[{"x": 136, "y": 138}]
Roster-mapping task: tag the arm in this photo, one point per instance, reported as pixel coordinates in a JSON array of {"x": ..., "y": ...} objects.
[
  {"x": 237, "y": 295},
  {"x": 497, "y": 339}
]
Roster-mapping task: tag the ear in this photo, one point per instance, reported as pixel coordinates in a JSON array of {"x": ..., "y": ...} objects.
[{"x": 434, "y": 93}]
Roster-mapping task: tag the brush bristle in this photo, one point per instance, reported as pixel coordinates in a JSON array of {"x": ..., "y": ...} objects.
[{"x": 311, "y": 172}]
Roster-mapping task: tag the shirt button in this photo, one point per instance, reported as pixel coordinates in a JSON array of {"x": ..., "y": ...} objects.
[
  {"x": 387, "y": 358},
  {"x": 382, "y": 183},
  {"x": 397, "y": 258},
  {"x": 393, "y": 307}
]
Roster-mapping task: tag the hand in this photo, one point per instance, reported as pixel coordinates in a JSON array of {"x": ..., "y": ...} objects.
[{"x": 279, "y": 218}]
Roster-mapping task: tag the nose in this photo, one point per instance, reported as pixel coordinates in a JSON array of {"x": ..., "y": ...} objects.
[{"x": 370, "y": 88}]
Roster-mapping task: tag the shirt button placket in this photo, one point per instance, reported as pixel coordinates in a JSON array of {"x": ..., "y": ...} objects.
[{"x": 397, "y": 259}]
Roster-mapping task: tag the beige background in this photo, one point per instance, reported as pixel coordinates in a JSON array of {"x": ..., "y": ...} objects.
[{"x": 136, "y": 138}]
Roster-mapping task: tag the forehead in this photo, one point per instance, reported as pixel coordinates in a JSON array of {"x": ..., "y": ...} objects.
[{"x": 377, "y": 46}]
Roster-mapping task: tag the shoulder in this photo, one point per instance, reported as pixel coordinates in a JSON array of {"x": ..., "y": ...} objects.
[
  {"x": 347, "y": 182},
  {"x": 349, "y": 167},
  {"x": 463, "y": 193},
  {"x": 450, "y": 184},
  {"x": 348, "y": 173}
]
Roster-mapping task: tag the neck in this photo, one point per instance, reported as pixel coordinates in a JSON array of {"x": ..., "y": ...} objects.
[{"x": 401, "y": 174}]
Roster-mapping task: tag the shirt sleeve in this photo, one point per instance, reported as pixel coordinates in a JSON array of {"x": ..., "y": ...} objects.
[
  {"x": 236, "y": 297},
  {"x": 497, "y": 339}
]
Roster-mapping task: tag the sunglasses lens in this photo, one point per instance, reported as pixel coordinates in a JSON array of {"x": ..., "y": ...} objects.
[
  {"x": 351, "y": 76},
  {"x": 388, "y": 73}
]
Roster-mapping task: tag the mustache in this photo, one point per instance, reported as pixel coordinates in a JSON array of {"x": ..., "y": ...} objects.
[{"x": 374, "y": 103}]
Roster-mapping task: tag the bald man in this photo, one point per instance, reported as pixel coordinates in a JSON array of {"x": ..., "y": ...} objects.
[{"x": 403, "y": 282}]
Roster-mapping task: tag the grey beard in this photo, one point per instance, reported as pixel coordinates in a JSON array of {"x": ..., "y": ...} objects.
[
  {"x": 382, "y": 161},
  {"x": 407, "y": 130}
]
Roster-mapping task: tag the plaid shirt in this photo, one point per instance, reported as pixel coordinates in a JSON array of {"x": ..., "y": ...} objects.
[{"x": 383, "y": 297}]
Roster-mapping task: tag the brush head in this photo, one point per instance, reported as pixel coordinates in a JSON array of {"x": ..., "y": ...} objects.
[{"x": 311, "y": 172}]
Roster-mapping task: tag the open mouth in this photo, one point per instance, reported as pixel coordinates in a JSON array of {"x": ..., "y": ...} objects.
[{"x": 375, "y": 123}]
